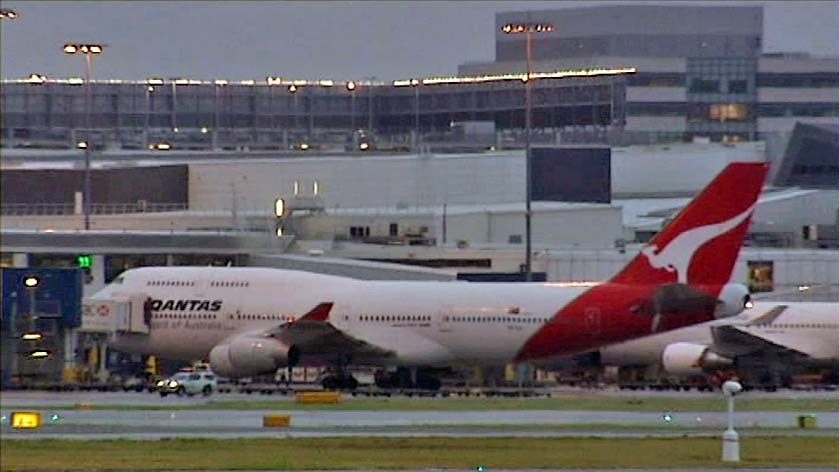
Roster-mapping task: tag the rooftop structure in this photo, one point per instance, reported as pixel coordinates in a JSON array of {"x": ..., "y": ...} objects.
[
  {"x": 701, "y": 69},
  {"x": 283, "y": 114}
]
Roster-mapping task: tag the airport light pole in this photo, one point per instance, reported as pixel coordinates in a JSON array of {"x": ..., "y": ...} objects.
[
  {"x": 272, "y": 81},
  {"x": 174, "y": 117},
  {"x": 351, "y": 89},
  {"x": 370, "y": 104},
  {"x": 527, "y": 29},
  {"x": 147, "y": 121},
  {"x": 415, "y": 84},
  {"x": 214, "y": 137},
  {"x": 310, "y": 127},
  {"x": 292, "y": 89},
  {"x": 88, "y": 50}
]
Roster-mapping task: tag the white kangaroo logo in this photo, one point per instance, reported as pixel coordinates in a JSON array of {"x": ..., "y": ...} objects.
[{"x": 676, "y": 256}]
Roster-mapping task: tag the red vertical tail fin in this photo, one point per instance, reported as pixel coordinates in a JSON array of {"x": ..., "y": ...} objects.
[{"x": 700, "y": 245}]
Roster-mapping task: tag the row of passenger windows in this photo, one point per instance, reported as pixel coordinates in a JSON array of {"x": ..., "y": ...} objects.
[
  {"x": 210, "y": 316},
  {"x": 263, "y": 317},
  {"x": 185, "y": 316},
  {"x": 409, "y": 318},
  {"x": 191, "y": 283},
  {"x": 395, "y": 318},
  {"x": 455, "y": 319},
  {"x": 801, "y": 325},
  {"x": 170, "y": 283},
  {"x": 494, "y": 319},
  {"x": 229, "y": 283}
]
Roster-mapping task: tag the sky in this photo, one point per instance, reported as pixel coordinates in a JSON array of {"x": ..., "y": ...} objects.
[{"x": 309, "y": 40}]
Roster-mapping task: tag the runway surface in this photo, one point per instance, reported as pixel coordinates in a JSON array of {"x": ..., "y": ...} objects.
[
  {"x": 23, "y": 398},
  {"x": 154, "y": 424}
]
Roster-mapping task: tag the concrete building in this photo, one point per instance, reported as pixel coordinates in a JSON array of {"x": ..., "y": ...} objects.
[
  {"x": 701, "y": 70},
  {"x": 221, "y": 181},
  {"x": 282, "y": 114},
  {"x": 427, "y": 199}
]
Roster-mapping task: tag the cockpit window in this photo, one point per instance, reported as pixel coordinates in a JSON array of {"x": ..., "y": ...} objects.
[{"x": 119, "y": 280}]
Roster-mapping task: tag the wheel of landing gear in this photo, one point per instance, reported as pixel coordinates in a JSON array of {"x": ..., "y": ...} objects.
[
  {"x": 427, "y": 382},
  {"x": 330, "y": 383},
  {"x": 383, "y": 380},
  {"x": 401, "y": 378},
  {"x": 350, "y": 383}
]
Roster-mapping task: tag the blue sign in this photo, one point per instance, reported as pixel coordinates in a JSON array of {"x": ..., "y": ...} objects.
[{"x": 56, "y": 293}]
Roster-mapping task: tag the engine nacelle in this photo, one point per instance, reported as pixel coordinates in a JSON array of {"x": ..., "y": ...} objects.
[
  {"x": 245, "y": 356},
  {"x": 733, "y": 299},
  {"x": 691, "y": 359}
]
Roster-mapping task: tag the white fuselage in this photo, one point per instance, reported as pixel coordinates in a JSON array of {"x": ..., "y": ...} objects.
[
  {"x": 811, "y": 328},
  {"x": 424, "y": 323}
]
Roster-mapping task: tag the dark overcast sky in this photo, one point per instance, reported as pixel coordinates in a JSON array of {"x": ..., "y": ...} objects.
[{"x": 311, "y": 40}]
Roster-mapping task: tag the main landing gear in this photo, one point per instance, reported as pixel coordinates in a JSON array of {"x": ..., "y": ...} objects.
[
  {"x": 341, "y": 380},
  {"x": 408, "y": 378},
  {"x": 337, "y": 377}
]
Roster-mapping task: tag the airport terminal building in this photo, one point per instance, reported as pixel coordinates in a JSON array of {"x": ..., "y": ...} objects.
[
  {"x": 702, "y": 71},
  {"x": 282, "y": 114}
]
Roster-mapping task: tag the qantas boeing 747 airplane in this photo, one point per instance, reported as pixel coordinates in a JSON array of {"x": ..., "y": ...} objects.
[{"x": 252, "y": 321}]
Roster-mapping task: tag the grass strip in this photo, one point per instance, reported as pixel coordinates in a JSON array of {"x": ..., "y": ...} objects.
[
  {"x": 594, "y": 403},
  {"x": 408, "y": 453}
]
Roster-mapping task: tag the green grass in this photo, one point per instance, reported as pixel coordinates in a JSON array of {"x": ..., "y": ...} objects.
[
  {"x": 408, "y": 453},
  {"x": 597, "y": 403}
]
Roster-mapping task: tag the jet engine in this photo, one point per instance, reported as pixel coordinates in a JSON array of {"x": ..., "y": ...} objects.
[
  {"x": 691, "y": 359},
  {"x": 245, "y": 356},
  {"x": 733, "y": 299}
]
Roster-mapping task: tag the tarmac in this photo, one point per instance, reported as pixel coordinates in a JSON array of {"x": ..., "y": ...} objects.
[{"x": 153, "y": 423}]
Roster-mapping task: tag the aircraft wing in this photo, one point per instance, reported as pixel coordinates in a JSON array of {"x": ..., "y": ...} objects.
[
  {"x": 317, "y": 338},
  {"x": 735, "y": 340}
]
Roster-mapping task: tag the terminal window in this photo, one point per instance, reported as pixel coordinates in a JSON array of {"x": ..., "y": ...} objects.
[
  {"x": 738, "y": 86},
  {"x": 704, "y": 86},
  {"x": 728, "y": 112},
  {"x": 760, "y": 276}
]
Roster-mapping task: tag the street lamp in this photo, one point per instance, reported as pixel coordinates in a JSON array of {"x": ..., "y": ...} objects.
[
  {"x": 370, "y": 104},
  {"x": 527, "y": 29},
  {"x": 415, "y": 83},
  {"x": 351, "y": 89},
  {"x": 9, "y": 14},
  {"x": 88, "y": 50},
  {"x": 174, "y": 117},
  {"x": 147, "y": 121},
  {"x": 292, "y": 89},
  {"x": 310, "y": 102},
  {"x": 220, "y": 85}
]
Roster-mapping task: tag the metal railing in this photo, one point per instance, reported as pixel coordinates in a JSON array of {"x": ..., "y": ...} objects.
[{"x": 46, "y": 209}]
